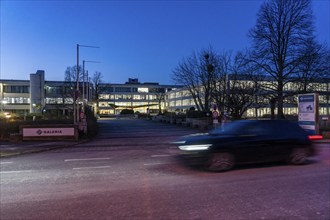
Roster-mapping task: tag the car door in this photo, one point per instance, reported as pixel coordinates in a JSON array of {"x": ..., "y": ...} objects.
[
  {"x": 251, "y": 143},
  {"x": 276, "y": 143}
]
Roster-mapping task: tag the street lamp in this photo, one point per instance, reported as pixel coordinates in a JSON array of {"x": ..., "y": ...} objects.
[{"x": 76, "y": 95}]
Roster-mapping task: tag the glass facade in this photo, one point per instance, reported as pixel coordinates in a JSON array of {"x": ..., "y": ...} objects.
[
  {"x": 181, "y": 99},
  {"x": 132, "y": 95},
  {"x": 16, "y": 89}
]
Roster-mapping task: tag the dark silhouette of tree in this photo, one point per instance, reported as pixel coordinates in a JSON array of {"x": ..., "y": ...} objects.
[
  {"x": 281, "y": 40},
  {"x": 70, "y": 74},
  {"x": 213, "y": 78},
  {"x": 197, "y": 73},
  {"x": 242, "y": 86},
  {"x": 70, "y": 77},
  {"x": 160, "y": 97},
  {"x": 97, "y": 80},
  {"x": 315, "y": 67}
]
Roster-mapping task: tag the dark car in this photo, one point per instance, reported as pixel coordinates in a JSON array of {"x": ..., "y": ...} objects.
[{"x": 248, "y": 141}]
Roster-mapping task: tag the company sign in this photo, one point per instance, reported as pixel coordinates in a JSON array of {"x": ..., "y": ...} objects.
[
  {"x": 48, "y": 132},
  {"x": 308, "y": 111}
]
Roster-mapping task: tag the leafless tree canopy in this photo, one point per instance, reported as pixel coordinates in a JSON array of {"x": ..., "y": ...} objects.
[
  {"x": 70, "y": 74},
  {"x": 97, "y": 79},
  {"x": 316, "y": 66},
  {"x": 197, "y": 74},
  {"x": 207, "y": 74},
  {"x": 281, "y": 38}
]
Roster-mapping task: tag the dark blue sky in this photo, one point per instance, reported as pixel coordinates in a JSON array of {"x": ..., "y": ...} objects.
[{"x": 137, "y": 39}]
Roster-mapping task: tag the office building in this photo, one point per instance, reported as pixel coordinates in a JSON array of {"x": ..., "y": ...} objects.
[{"x": 140, "y": 97}]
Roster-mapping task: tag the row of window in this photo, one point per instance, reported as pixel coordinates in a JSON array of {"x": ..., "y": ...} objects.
[
  {"x": 319, "y": 87},
  {"x": 58, "y": 90},
  {"x": 22, "y": 100},
  {"x": 261, "y": 100},
  {"x": 16, "y": 89},
  {"x": 105, "y": 89},
  {"x": 287, "y": 111},
  {"x": 16, "y": 100},
  {"x": 128, "y": 97},
  {"x": 323, "y": 99},
  {"x": 59, "y": 101},
  {"x": 107, "y": 104}
]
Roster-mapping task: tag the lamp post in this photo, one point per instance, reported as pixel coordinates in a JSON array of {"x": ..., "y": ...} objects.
[{"x": 76, "y": 94}]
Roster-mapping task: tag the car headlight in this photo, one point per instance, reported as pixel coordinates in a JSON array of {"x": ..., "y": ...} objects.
[
  {"x": 195, "y": 147},
  {"x": 178, "y": 142}
]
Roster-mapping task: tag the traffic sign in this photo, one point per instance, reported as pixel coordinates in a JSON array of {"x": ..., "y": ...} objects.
[{"x": 215, "y": 114}]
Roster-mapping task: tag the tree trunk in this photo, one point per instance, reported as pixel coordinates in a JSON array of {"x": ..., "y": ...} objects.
[
  {"x": 272, "y": 108},
  {"x": 280, "y": 114}
]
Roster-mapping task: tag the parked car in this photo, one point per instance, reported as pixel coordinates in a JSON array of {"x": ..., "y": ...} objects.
[{"x": 248, "y": 141}]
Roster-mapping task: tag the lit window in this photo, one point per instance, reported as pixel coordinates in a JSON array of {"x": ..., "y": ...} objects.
[{"x": 143, "y": 90}]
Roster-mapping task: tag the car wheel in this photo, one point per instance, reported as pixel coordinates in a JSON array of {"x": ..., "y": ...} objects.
[
  {"x": 220, "y": 162},
  {"x": 298, "y": 156}
]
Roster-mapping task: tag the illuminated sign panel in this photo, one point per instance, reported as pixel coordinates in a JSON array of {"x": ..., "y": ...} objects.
[{"x": 308, "y": 111}]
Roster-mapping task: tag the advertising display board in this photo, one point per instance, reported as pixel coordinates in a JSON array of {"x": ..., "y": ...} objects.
[{"x": 308, "y": 112}]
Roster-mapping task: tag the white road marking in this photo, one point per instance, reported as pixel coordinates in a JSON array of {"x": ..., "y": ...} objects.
[
  {"x": 153, "y": 164},
  {"x": 16, "y": 171},
  {"x": 6, "y": 162},
  {"x": 85, "y": 168},
  {"x": 162, "y": 155},
  {"x": 83, "y": 159}
]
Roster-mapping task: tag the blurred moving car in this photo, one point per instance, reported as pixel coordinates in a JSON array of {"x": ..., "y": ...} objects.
[{"x": 248, "y": 141}]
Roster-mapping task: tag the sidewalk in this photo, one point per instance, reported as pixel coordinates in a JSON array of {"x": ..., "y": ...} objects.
[{"x": 8, "y": 148}]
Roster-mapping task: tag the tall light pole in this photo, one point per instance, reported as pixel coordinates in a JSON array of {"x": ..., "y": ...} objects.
[{"x": 76, "y": 94}]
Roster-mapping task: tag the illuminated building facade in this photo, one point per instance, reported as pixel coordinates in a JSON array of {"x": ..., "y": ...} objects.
[
  {"x": 39, "y": 96},
  {"x": 182, "y": 100},
  {"x": 139, "y": 97},
  {"x": 56, "y": 97}
]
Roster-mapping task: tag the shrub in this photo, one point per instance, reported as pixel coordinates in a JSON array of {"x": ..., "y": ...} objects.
[
  {"x": 197, "y": 114},
  {"x": 127, "y": 112}
]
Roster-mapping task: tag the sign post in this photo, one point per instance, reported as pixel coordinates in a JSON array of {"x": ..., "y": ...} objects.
[
  {"x": 215, "y": 115},
  {"x": 308, "y": 112}
]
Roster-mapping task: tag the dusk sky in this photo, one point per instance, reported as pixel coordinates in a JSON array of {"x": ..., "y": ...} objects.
[{"x": 137, "y": 39}]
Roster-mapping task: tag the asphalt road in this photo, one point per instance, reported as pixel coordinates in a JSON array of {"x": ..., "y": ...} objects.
[{"x": 129, "y": 172}]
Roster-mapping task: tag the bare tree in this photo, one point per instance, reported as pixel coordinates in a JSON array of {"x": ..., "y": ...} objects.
[
  {"x": 160, "y": 97},
  {"x": 197, "y": 73},
  {"x": 315, "y": 67},
  {"x": 242, "y": 86},
  {"x": 220, "y": 83},
  {"x": 97, "y": 80},
  {"x": 280, "y": 37},
  {"x": 70, "y": 74}
]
